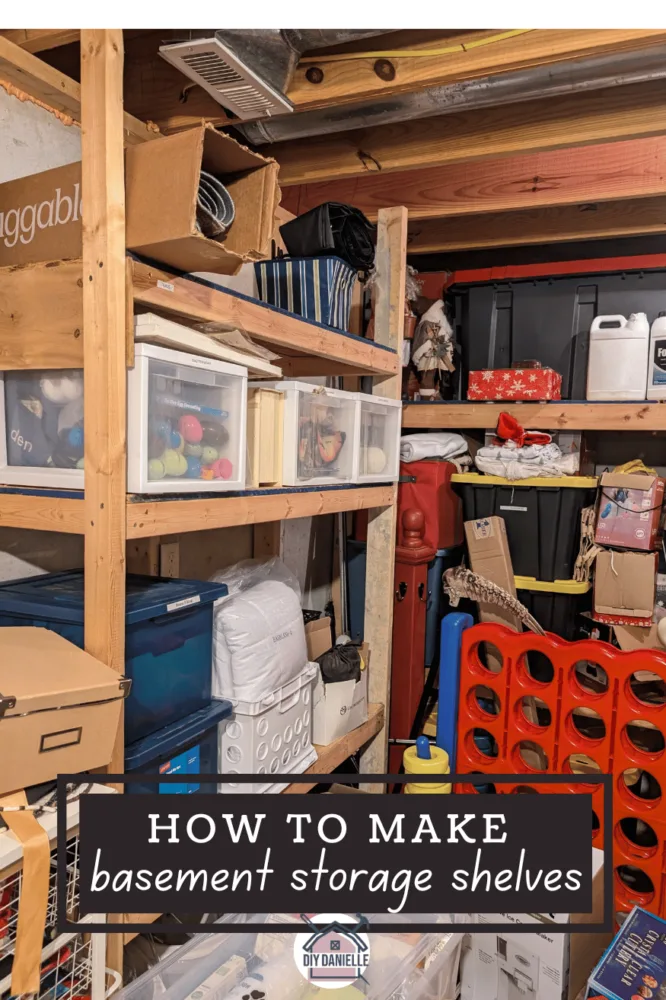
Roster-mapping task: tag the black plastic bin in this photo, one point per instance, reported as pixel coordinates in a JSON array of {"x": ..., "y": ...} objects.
[
  {"x": 501, "y": 322},
  {"x": 556, "y": 606},
  {"x": 542, "y": 518}
]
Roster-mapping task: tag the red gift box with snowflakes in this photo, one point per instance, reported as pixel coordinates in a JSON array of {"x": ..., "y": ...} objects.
[{"x": 515, "y": 383}]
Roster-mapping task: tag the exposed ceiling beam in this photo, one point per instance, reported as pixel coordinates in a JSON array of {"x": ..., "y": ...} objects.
[
  {"x": 55, "y": 91},
  {"x": 39, "y": 39},
  {"x": 348, "y": 80},
  {"x": 629, "y": 112},
  {"x": 613, "y": 171},
  {"x": 543, "y": 225}
]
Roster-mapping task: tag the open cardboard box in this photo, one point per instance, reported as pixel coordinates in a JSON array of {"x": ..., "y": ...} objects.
[{"x": 40, "y": 215}]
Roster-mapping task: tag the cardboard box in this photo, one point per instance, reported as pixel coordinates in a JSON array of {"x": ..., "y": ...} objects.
[
  {"x": 634, "y": 966},
  {"x": 318, "y": 636},
  {"x": 338, "y": 708},
  {"x": 629, "y": 513},
  {"x": 264, "y": 438},
  {"x": 624, "y": 587},
  {"x": 59, "y": 708},
  {"x": 489, "y": 556},
  {"x": 545, "y": 966},
  {"x": 40, "y": 215}
]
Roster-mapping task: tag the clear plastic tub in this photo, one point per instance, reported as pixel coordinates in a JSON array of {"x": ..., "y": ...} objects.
[
  {"x": 271, "y": 736},
  {"x": 41, "y": 428},
  {"x": 186, "y": 420},
  {"x": 378, "y": 452},
  {"x": 402, "y": 967},
  {"x": 320, "y": 434}
]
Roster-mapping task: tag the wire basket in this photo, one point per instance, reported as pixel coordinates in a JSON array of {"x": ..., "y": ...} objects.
[{"x": 10, "y": 893}]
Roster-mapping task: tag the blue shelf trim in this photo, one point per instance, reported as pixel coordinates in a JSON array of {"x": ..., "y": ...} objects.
[{"x": 211, "y": 494}]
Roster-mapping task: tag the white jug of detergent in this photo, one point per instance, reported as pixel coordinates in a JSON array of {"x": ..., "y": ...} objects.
[
  {"x": 617, "y": 364},
  {"x": 656, "y": 381}
]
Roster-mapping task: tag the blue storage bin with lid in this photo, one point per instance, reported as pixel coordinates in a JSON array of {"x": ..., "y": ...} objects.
[
  {"x": 187, "y": 748},
  {"x": 168, "y": 638}
]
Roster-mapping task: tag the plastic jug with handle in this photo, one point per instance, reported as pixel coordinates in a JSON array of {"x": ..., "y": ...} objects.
[{"x": 618, "y": 357}]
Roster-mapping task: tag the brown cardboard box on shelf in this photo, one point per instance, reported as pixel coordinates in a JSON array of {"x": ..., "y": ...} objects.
[
  {"x": 489, "y": 556},
  {"x": 59, "y": 708},
  {"x": 629, "y": 512},
  {"x": 624, "y": 587},
  {"x": 318, "y": 637},
  {"x": 40, "y": 215}
]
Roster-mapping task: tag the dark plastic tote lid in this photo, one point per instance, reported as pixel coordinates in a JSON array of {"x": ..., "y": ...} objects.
[
  {"x": 59, "y": 596},
  {"x": 166, "y": 742}
]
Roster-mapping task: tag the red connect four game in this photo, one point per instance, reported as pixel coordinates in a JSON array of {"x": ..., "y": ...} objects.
[{"x": 533, "y": 704}]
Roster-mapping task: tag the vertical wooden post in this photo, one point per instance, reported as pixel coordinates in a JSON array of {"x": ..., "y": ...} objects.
[
  {"x": 391, "y": 267},
  {"x": 104, "y": 359},
  {"x": 267, "y": 539}
]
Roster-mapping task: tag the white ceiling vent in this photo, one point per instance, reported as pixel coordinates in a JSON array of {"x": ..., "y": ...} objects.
[{"x": 213, "y": 65}]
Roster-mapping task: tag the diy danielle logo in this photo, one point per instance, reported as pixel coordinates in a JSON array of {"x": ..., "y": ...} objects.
[{"x": 334, "y": 952}]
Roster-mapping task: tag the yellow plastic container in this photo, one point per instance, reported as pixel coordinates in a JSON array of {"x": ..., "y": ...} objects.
[{"x": 436, "y": 763}]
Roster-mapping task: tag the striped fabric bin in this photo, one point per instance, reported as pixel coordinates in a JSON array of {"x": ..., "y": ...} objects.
[{"x": 317, "y": 288}]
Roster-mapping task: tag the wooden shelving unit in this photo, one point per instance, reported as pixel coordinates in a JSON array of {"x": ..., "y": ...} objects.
[
  {"x": 79, "y": 313},
  {"x": 561, "y": 415}
]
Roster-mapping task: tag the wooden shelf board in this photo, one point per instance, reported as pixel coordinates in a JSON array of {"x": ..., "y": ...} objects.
[
  {"x": 335, "y": 753},
  {"x": 62, "y": 510},
  {"x": 201, "y": 301},
  {"x": 41, "y": 316},
  {"x": 166, "y": 517},
  {"x": 564, "y": 415}
]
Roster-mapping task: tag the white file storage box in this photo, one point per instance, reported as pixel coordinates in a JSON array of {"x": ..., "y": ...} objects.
[
  {"x": 320, "y": 434},
  {"x": 378, "y": 451},
  {"x": 186, "y": 418},
  {"x": 271, "y": 736},
  {"x": 41, "y": 428}
]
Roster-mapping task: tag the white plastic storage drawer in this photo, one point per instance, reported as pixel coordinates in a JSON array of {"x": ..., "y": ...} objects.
[
  {"x": 41, "y": 428},
  {"x": 244, "y": 964},
  {"x": 185, "y": 423},
  {"x": 378, "y": 452},
  {"x": 271, "y": 736},
  {"x": 320, "y": 434}
]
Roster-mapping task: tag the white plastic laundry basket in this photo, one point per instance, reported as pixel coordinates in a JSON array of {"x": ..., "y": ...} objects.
[{"x": 271, "y": 736}]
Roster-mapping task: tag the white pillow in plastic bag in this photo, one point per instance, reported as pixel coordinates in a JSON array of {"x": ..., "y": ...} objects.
[{"x": 258, "y": 641}]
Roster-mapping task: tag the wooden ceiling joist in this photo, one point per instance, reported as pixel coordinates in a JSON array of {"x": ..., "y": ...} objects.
[
  {"x": 630, "y": 112},
  {"x": 544, "y": 225},
  {"x": 613, "y": 171},
  {"x": 349, "y": 80},
  {"x": 40, "y": 39},
  {"x": 34, "y": 78}
]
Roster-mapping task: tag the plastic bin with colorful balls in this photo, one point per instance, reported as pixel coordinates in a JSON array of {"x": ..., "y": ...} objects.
[{"x": 186, "y": 420}]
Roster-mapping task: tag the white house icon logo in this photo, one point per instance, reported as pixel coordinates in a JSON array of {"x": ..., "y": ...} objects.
[{"x": 334, "y": 952}]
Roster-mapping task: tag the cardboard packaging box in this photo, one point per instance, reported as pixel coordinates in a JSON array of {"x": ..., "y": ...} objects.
[
  {"x": 59, "y": 708},
  {"x": 624, "y": 587},
  {"x": 264, "y": 437},
  {"x": 338, "y": 708},
  {"x": 634, "y": 966},
  {"x": 629, "y": 513},
  {"x": 318, "y": 637},
  {"x": 489, "y": 556},
  {"x": 40, "y": 215},
  {"x": 545, "y": 966}
]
